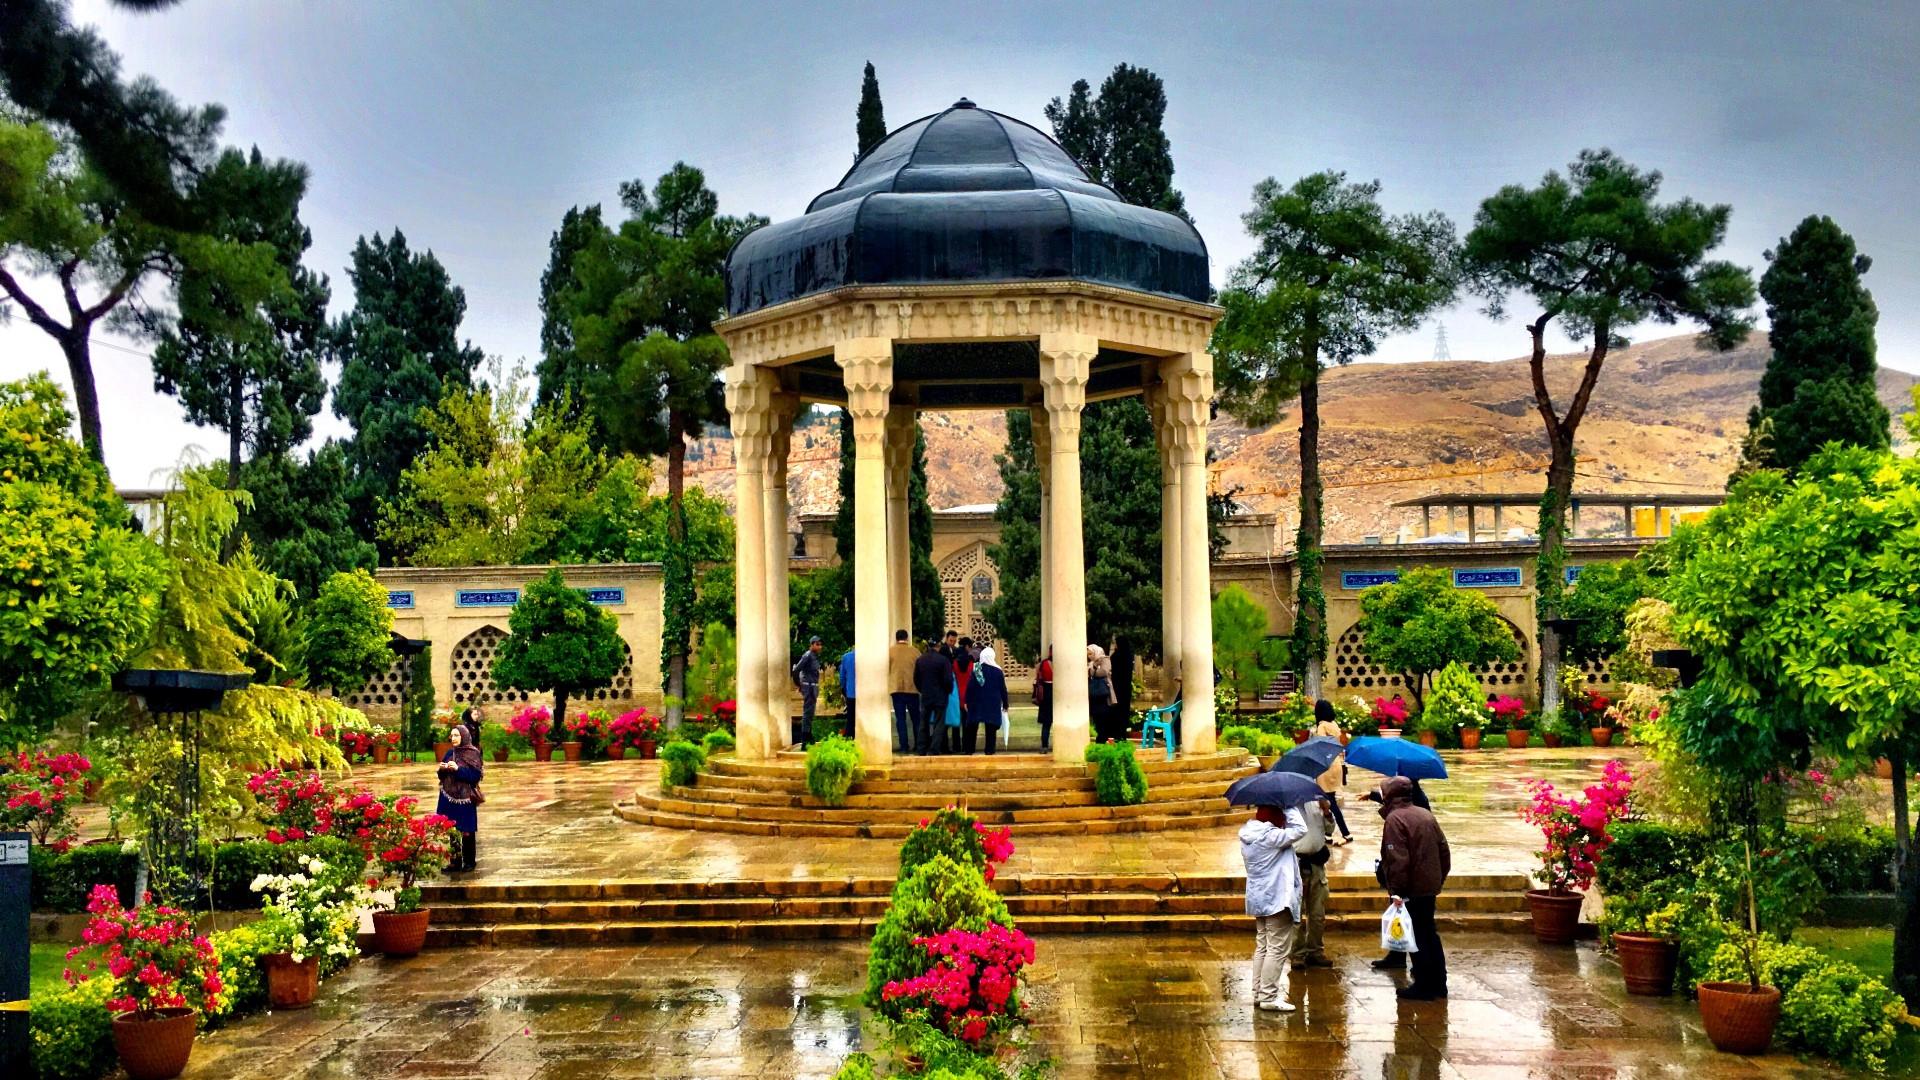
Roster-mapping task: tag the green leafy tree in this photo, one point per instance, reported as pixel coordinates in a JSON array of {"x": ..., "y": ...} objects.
[
  {"x": 1819, "y": 383},
  {"x": 870, "y": 119},
  {"x": 1600, "y": 599},
  {"x": 252, "y": 373},
  {"x": 1015, "y": 612},
  {"x": 1247, "y": 658},
  {"x": 1331, "y": 276},
  {"x": 1118, "y": 137},
  {"x": 561, "y": 374},
  {"x": 1421, "y": 623},
  {"x": 643, "y": 303},
  {"x": 1120, "y": 521},
  {"x": 711, "y": 678},
  {"x": 299, "y": 521},
  {"x": 1597, "y": 251},
  {"x": 79, "y": 588},
  {"x": 559, "y": 642},
  {"x": 346, "y": 639},
  {"x": 416, "y": 715},
  {"x": 399, "y": 354}
]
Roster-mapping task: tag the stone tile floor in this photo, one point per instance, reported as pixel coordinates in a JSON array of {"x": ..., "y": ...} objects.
[{"x": 1174, "y": 1007}]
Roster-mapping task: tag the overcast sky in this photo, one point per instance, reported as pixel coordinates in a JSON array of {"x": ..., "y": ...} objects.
[{"x": 472, "y": 127}]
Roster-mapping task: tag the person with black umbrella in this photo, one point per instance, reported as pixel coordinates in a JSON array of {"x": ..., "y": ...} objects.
[
  {"x": 1414, "y": 864},
  {"x": 1273, "y": 898},
  {"x": 1326, "y": 726}
]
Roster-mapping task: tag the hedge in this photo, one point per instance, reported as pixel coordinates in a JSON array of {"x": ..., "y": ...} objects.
[
  {"x": 61, "y": 883},
  {"x": 1118, "y": 779}
]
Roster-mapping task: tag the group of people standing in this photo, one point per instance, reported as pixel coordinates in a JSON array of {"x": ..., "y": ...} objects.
[{"x": 944, "y": 695}]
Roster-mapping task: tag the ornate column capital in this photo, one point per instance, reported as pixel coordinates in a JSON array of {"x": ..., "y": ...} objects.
[
  {"x": 902, "y": 429},
  {"x": 1186, "y": 387},
  {"x": 750, "y": 391},
  {"x": 1066, "y": 361},
  {"x": 783, "y": 408},
  {"x": 866, "y": 364}
]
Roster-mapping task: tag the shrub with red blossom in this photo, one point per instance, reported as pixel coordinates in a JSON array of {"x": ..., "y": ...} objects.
[
  {"x": 532, "y": 723},
  {"x": 37, "y": 793},
  {"x": 153, "y": 953},
  {"x": 958, "y": 835},
  {"x": 633, "y": 727},
  {"x": 1575, "y": 827},
  {"x": 1389, "y": 712},
  {"x": 404, "y": 848},
  {"x": 972, "y": 988},
  {"x": 1509, "y": 712},
  {"x": 293, "y": 805}
]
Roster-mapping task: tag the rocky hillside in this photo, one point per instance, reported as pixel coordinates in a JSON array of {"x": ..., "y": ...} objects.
[{"x": 1667, "y": 416}]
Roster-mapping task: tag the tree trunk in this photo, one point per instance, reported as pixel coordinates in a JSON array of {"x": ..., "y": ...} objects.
[
  {"x": 1311, "y": 607},
  {"x": 559, "y": 730},
  {"x": 1906, "y": 886},
  {"x": 1552, "y": 562},
  {"x": 76, "y": 344},
  {"x": 236, "y": 427},
  {"x": 676, "y": 624}
]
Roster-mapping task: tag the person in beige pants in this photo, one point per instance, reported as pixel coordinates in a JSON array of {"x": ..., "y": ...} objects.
[{"x": 1309, "y": 948}]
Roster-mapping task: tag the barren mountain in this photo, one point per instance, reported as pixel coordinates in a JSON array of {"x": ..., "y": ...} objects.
[{"x": 1667, "y": 416}]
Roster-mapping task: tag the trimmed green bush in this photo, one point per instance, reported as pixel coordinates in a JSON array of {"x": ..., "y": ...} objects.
[
  {"x": 73, "y": 1032},
  {"x": 833, "y": 767},
  {"x": 950, "y": 833},
  {"x": 940, "y": 895},
  {"x": 680, "y": 764},
  {"x": 61, "y": 882},
  {"x": 1853, "y": 864},
  {"x": 1242, "y": 736},
  {"x": 1827, "y": 1007},
  {"x": 1118, "y": 779},
  {"x": 237, "y": 862},
  {"x": 717, "y": 741}
]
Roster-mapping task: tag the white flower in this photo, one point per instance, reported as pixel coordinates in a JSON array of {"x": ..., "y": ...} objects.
[
  {"x": 260, "y": 882},
  {"x": 299, "y": 941}
]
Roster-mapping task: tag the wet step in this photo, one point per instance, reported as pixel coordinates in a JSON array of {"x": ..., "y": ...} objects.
[{"x": 1151, "y": 821}]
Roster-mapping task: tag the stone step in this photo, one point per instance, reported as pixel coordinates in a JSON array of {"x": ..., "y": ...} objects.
[
  {"x": 958, "y": 787},
  {"x": 693, "y": 802},
  {"x": 980, "y": 799},
  {"x": 998, "y": 766},
  {"x": 1152, "y": 821}
]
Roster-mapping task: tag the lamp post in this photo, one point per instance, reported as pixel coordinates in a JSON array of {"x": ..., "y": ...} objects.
[{"x": 173, "y": 837}]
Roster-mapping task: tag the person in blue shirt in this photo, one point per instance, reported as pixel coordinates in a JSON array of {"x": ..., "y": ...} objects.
[{"x": 846, "y": 688}]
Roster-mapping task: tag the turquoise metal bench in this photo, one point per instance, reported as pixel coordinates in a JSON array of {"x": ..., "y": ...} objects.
[{"x": 1159, "y": 721}]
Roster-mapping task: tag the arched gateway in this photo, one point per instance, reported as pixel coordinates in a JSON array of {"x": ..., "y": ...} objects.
[{"x": 965, "y": 262}]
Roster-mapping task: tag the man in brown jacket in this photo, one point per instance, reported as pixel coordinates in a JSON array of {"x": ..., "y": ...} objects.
[
  {"x": 906, "y": 700},
  {"x": 1414, "y": 863}
]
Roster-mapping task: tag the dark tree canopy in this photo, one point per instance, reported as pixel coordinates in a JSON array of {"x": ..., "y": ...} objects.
[
  {"x": 870, "y": 119},
  {"x": 1819, "y": 383},
  {"x": 833, "y": 597},
  {"x": 1118, "y": 137},
  {"x": 560, "y": 371},
  {"x": 300, "y": 523}
]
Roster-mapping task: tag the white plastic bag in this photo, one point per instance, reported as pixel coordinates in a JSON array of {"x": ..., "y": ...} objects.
[{"x": 1396, "y": 929}]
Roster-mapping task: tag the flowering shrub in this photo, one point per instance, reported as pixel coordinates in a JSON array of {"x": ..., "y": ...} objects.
[
  {"x": 405, "y": 848},
  {"x": 293, "y": 805},
  {"x": 1295, "y": 712},
  {"x": 152, "y": 951},
  {"x": 1595, "y": 707},
  {"x": 532, "y": 723},
  {"x": 315, "y": 911},
  {"x": 1455, "y": 703},
  {"x": 357, "y": 745},
  {"x": 1509, "y": 712},
  {"x": 1575, "y": 827},
  {"x": 36, "y": 792},
  {"x": 1390, "y": 712},
  {"x": 972, "y": 989},
  {"x": 445, "y": 717},
  {"x": 589, "y": 727},
  {"x": 959, "y": 836},
  {"x": 633, "y": 727}
]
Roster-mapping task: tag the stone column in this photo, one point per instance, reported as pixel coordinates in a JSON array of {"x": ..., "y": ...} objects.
[
  {"x": 779, "y": 629},
  {"x": 902, "y": 429},
  {"x": 1189, "y": 389},
  {"x": 1170, "y": 614},
  {"x": 750, "y": 401},
  {"x": 1065, "y": 360},
  {"x": 1042, "y": 461},
  {"x": 867, "y": 365}
]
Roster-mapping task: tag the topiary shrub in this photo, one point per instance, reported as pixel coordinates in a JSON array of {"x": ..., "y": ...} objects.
[
  {"x": 938, "y": 896},
  {"x": 1242, "y": 736},
  {"x": 833, "y": 767},
  {"x": 1118, "y": 779},
  {"x": 1827, "y": 1007},
  {"x": 716, "y": 741},
  {"x": 73, "y": 1032},
  {"x": 953, "y": 833},
  {"x": 63, "y": 881},
  {"x": 680, "y": 764}
]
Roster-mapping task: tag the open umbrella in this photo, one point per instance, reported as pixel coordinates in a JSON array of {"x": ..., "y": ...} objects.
[
  {"x": 1273, "y": 789},
  {"x": 1310, "y": 758},
  {"x": 1396, "y": 757}
]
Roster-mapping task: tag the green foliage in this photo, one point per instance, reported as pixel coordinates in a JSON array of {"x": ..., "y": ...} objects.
[
  {"x": 559, "y": 370},
  {"x": 1602, "y": 595},
  {"x": 870, "y": 119},
  {"x": 348, "y": 627},
  {"x": 82, "y": 587},
  {"x": 1455, "y": 702},
  {"x": 1254, "y": 740},
  {"x": 243, "y": 968},
  {"x": 1827, "y": 1007},
  {"x": 712, "y": 676},
  {"x": 416, "y": 715},
  {"x": 680, "y": 764},
  {"x": 235, "y": 863},
  {"x": 300, "y": 521},
  {"x": 1118, "y": 779},
  {"x": 951, "y": 832},
  {"x": 1015, "y": 610},
  {"x": 937, "y": 896},
  {"x": 833, "y": 766},
  {"x": 73, "y": 1032},
  {"x": 1421, "y": 623},
  {"x": 1856, "y": 863},
  {"x": 560, "y": 642},
  {"x": 1245, "y": 656},
  {"x": 61, "y": 882},
  {"x": 1118, "y": 136},
  {"x": 717, "y": 742}
]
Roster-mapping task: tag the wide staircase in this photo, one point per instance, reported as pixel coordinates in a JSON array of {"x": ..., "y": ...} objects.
[
  {"x": 562, "y": 913},
  {"x": 1028, "y": 793}
]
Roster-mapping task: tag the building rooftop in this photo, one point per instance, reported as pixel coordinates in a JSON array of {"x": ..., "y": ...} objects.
[{"x": 1532, "y": 498}]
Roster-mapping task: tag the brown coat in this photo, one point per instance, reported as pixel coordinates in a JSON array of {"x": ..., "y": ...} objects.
[
  {"x": 900, "y": 659},
  {"x": 1414, "y": 857}
]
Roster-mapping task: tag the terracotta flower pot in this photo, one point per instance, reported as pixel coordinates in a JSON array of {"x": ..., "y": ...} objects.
[
  {"x": 291, "y": 984},
  {"x": 1883, "y": 768},
  {"x": 1602, "y": 736},
  {"x": 1301, "y": 735},
  {"x": 500, "y": 753},
  {"x": 1345, "y": 737},
  {"x": 647, "y": 747},
  {"x": 616, "y": 752},
  {"x": 572, "y": 749},
  {"x": 1552, "y": 739},
  {"x": 380, "y": 751},
  {"x": 1390, "y": 732},
  {"x": 1517, "y": 740},
  {"x": 1738, "y": 1018},
  {"x": 1429, "y": 738},
  {"x": 401, "y": 934},
  {"x": 155, "y": 1045},
  {"x": 542, "y": 751},
  {"x": 1647, "y": 962},
  {"x": 1556, "y": 915},
  {"x": 440, "y": 750},
  {"x": 1470, "y": 738}
]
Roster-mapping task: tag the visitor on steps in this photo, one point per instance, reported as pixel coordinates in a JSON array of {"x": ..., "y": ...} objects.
[
  {"x": 1414, "y": 864},
  {"x": 1313, "y": 851},
  {"x": 906, "y": 700},
  {"x": 963, "y": 668},
  {"x": 950, "y": 645},
  {"x": 1273, "y": 898},
  {"x": 1100, "y": 699},
  {"x": 989, "y": 697},
  {"x": 1122, "y": 657},
  {"x": 1043, "y": 698},
  {"x": 933, "y": 681},
  {"x": 1325, "y": 726},
  {"x": 460, "y": 774},
  {"x": 1396, "y": 961},
  {"x": 846, "y": 691},
  {"x": 806, "y": 678}
]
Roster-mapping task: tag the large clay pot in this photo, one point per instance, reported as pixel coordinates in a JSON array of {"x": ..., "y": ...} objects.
[
  {"x": 500, "y": 754},
  {"x": 291, "y": 984},
  {"x": 1552, "y": 739},
  {"x": 1517, "y": 740},
  {"x": 1647, "y": 962},
  {"x": 543, "y": 751},
  {"x": 1602, "y": 736},
  {"x": 400, "y": 934},
  {"x": 380, "y": 752},
  {"x": 647, "y": 747},
  {"x": 440, "y": 750},
  {"x": 1738, "y": 1018},
  {"x": 155, "y": 1045},
  {"x": 616, "y": 752},
  {"x": 1556, "y": 915},
  {"x": 1470, "y": 738},
  {"x": 572, "y": 749},
  {"x": 1429, "y": 738},
  {"x": 1390, "y": 732}
]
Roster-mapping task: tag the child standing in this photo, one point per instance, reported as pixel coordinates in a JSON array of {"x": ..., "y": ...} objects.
[{"x": 1273, "y": 897}]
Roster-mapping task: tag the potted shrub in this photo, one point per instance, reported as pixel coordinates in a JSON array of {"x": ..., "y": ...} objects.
[
  {"x": 1455, "y": 704},
  {"x": 589, "y": 728},
  {"x": 500, "y": 742},
  {"x": 532, "y": 724},
  {"x": 384, "y": 744},
  {"x": 176, "y": 976},
  {"x": 637, "y": 729},
  {"x": 1648, "y": 952},
  {"x": 1511, "y": 714},
  {"x": 443, "y": 718},
  {"x": 1556, "y": 730},
  {"x": 1596, "y": 710},
  {"x": 1390, "y": 714},
  {"x": 1575, "y": 831},
  {"x": 1740, "y": 1016},
  {"x": 309, "y": 914},
  {"x": 408, "y": 849}
]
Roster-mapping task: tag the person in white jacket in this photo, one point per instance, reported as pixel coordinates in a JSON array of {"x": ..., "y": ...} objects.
[{"x": 1273, "y": 897}]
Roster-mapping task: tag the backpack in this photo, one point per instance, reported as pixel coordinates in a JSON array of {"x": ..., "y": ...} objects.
[{"x": 1099, "y": 690}]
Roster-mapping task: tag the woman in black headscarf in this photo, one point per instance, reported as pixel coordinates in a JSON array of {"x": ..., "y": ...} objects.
[{"x": 460, "y": 774}]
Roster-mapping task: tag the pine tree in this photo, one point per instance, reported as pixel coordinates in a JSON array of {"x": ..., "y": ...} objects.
[
  {"x": 869, "y": 120},
  {"x": 300, "y": 522},
  {"x": 560, "y": 372},
  {"x": 1119, "y": 137},
  {"x": 1819, "y": 383}
]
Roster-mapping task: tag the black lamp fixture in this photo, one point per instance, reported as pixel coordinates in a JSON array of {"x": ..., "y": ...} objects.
[
  {"x": 168, "y": 691},
  {"x": 174, "y": 837},
  {"x": 406, "y": 646}
]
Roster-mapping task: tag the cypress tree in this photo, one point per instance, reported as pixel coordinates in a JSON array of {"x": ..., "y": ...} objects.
[{"x": 869, "y": 120}]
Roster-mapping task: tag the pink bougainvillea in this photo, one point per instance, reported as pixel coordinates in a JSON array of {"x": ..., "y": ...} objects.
[
  {"x": 37, "y": 791},
  {"x": 1510, "y": 710},
  {"x": 532, "y": 723},
  {"x": 160, "y": 962},
  {"x": 632, "y": 727},
  {"x": 972, "y": 988},
  {"x": 1575, "y": 827},
  {"x": 1390, "y": 712}
]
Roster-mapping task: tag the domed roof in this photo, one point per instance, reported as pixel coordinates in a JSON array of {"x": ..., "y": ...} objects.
[{"x": 966, "y": 195}]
